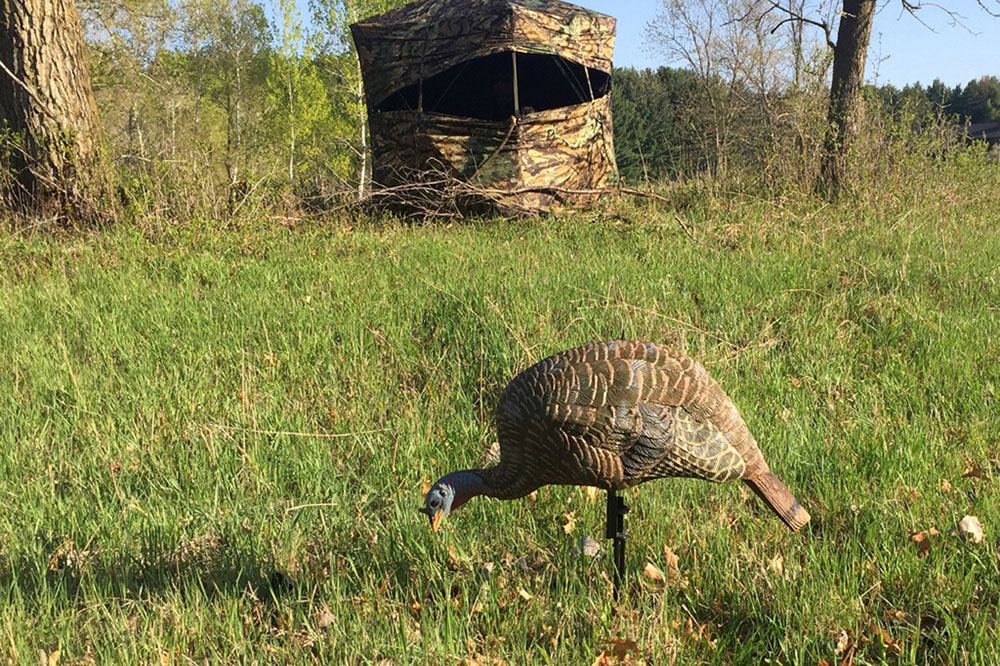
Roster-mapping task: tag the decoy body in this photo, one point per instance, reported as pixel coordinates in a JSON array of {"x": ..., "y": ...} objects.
[{"x": 614, "y": 415}]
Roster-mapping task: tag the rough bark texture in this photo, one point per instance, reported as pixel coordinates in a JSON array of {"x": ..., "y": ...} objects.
[
  {"x": 48, "y": 109},
  {"x": 849, "y": 57}
]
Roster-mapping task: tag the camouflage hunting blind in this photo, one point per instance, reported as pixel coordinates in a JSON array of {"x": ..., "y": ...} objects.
[{"x": 509, "y": 96}]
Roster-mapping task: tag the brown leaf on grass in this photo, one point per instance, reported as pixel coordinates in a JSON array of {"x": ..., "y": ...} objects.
[
  {"x": 923, "y": 541},
  {"x": 973, "y": 471},
  {"x": 971, "y": 529},
  {"x": 425, "y": 487},
  {"x": 888, "y": 642},
  {"x": 698, "y": 631},
  {"x": 454, "y": 561},
  {"x": 842, "y": 642},
  {"x": 588, "y": 546},
  {"x": 913, "y": 623},
  {"x": 48, "y": 659},
  {"x": 673, "y": 570},
  {"x": 569, "y": 522},
  {"x": 653, "y": 573},
  {"x": 524, "y": 594},
  {"x": 945, "y": 485},
  {"x": 618, "y": 653},
  {"x": 325, "y": 619}
]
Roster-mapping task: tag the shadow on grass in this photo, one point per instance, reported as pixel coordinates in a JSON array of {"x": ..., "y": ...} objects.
[{"x": 207, "y": 566}]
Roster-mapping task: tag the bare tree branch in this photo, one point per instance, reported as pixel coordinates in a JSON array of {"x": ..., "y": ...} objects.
[{"x": 793, "y": 16}]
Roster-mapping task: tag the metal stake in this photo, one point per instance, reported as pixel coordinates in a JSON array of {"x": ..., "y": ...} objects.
[{"x": 616, "y": 530}]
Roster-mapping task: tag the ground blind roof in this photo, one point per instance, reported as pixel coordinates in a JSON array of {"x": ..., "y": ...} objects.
[{"x": 421, "y": 39}]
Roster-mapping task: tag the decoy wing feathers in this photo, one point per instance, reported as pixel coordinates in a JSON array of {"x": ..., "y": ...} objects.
[{"x": 618, "y": 413}]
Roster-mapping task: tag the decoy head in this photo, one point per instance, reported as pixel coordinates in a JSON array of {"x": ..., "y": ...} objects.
[
  {"x": 438, "y": 503},
  {"x": 449, "y": 493}
]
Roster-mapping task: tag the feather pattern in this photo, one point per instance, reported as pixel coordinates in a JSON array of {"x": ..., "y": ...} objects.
[{"x": 617, "y": 414}]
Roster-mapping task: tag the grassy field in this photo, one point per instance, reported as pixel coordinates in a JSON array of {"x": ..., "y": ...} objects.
[{"x": 170, "y": 399}]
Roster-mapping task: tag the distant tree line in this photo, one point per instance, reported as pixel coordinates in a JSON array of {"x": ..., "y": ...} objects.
[
  {"x": 976, "y": 102},
  {"x": 664, "y": 121}
]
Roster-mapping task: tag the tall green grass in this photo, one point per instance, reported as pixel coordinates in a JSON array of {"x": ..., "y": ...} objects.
[{"x": 172, "y": 401}]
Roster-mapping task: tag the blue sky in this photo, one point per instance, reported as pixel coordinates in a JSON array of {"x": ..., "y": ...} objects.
[{"x": 902, "y": 50}]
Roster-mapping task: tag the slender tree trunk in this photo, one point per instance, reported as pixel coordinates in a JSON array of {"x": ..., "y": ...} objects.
[
  {"x": 46, "y": 104},
  {"x": 291, "y": 128},
  {"x": 363, "y": 116},
  {"x": 849, "y": 57}
]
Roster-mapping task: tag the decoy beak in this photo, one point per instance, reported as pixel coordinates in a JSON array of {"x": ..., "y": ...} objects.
[{"x": 436, "y": 518}]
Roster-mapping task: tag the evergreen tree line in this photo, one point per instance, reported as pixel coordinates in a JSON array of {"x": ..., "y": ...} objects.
[{"x": 664, "y": 119}]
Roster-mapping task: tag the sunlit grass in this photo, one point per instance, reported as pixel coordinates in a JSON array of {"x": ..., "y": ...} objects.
[{"x": 170, "y": 401}]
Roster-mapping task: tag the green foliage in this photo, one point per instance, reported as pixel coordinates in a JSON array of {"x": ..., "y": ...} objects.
[
  {"x": 214, "y": 108},
  {"x": 977, "y": 102},
  {"x": 661, "y": 124},
  {"x": 300, "y": 107}
]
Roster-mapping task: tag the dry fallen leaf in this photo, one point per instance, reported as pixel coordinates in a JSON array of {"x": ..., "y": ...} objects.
[
  {"x": 425, "y": 487},
  {"x": 325, "y": 619},
  {"x": 569, "y": 522},
  {"x": 922, "y": 539},
  {"x": 653, "y": 574},
  {"x": 524, "y": 594},
  {"x": 488, "y": 568},
  {"x": 974, "y": 471},
  {"x": 776, "y": 565},
  {"x": 673, "y": 570},
  {"x": 620, "y": 647},
  {"x": 890, "y": 643},
  {"x": 842, "y": 643},
  {"x": 945, "y": 485},
  {"x": 971, "y": 529},
  {"x": 454, "y": 561},
  {"x": 588, "y": 546},
  {"x": 50, "y": 659}
]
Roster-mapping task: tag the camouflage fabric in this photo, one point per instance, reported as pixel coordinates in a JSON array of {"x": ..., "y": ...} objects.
[
  {"x": 531, "y": 163},
  {"x": 421, "y": 39},
  {"x": 540, "y": 160}
]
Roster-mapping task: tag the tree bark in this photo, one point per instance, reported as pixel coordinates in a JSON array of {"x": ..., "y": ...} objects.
[
  {"x": 54, "y": 151},
  {"x": 849, "y": 57}
]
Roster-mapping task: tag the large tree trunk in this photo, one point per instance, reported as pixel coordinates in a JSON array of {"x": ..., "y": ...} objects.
[
  {"x": 849, "y": 57},
  {"x": 46, "y": 104}
]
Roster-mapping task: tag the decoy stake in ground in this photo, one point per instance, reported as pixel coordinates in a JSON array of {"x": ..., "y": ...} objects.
[{"x": 613, "y": 415}]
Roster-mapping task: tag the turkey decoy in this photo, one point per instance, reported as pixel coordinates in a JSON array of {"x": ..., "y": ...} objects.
[{"x": 613, "y": 415}]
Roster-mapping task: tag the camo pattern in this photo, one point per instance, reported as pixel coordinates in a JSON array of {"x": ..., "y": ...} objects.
[
  {"x": 568, "y": 148},
  {"x": 419, "y": 40}
]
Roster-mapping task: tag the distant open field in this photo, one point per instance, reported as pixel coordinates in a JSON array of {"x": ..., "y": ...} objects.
[{"x": 170, "y": 399}]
